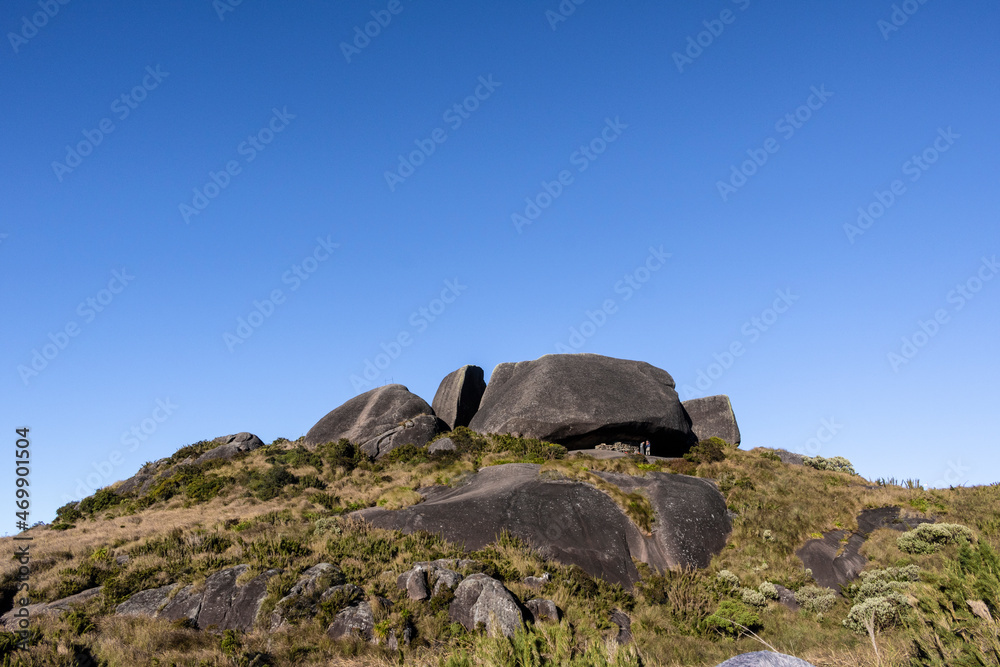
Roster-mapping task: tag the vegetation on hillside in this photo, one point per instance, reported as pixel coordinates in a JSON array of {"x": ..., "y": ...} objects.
[{"x": 285, "y": 506}]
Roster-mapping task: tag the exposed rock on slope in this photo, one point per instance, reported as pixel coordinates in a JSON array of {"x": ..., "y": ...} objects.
[
  {"x": 379, "y": 421},
  {"x": 764, "y": 659},
  {"x": 571, "y": 521},
  {"x": 712, "y": 417},
  {"x": 222, "y": 603},
  {"x": 457, "y": 398},
  {"x": 581, "y": 400},
  {"x": 834, "y": 564}
]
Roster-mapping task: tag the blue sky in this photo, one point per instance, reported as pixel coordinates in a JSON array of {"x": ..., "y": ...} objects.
[{"x": 218, "y": 156}]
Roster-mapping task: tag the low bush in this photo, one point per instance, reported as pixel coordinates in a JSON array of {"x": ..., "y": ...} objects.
[
  {"x": 708, "y": 451},
  {"x": 834, "y": 464},
  {"x": 815, "y": 599},
  {"x": 733, "y": 619},
  {"x": 929, "y": 537}
]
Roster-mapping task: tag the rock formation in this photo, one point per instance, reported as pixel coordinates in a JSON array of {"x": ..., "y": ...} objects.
[
  {"x": 573, "y": 522},
  {"x": 379, "y": 421},
  {"x": 581, "y": 400},
  {"x": 712, "y": 417},
  {"x": 458, "y": 396}
]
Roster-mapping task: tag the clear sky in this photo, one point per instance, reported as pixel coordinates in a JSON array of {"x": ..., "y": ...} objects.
[{"x": 216, "y": 214}]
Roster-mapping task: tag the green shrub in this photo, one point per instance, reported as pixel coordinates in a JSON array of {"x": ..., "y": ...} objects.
[
  {"x": 881, "y": 613},
  {"x": 929, "y": 537},
  {"x": 269, "y": 484},
  {"x": 298, "y": 457},
  {"x": 193, "y": 451},
  {"x": 728, "y": 579},
  {"x": 753, "y": 598},
  {"x": 408, "y": 453},
  {"x": 311, "y": 482},
  {"x": 815, "y": 599},
  {"x": 100, "y": 501},
  {"x": 768, "y": 590},
  {"x": 729, "y": 618},
  {"x": 341, "y": 454},
  {"x": 707, "y": 451},
  {"x": 877, "y": 583},
  {"x": 230, "y": 643},
  {"x": 79, "y": 623},
  {"x": 203, "y": 488},
  {"x": 835, "y": 464}
]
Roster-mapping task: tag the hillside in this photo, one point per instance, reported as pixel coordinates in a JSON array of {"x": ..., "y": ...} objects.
[{"x": 283, "y": 508}]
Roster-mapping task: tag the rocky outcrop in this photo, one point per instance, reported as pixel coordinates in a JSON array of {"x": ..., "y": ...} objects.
[
  {"x": 458, "y": 396},
  {"x": 712, "y": 417},
  {"x": 764, "y": 659},
  {"x": 221, "y": 605},
  {"x": 834, "y": 563},
  {"x": 573, "y": 522},
  {"x": 10, "y": 619},
  {"x": 379, "y": 421},
  {"x": 483, "y": 601},
  {"x": 316, "y": 585},
  {"x": 582, "y": 400},
  {"x": 427, "y": 579},
  {"x": 231, "y": 446},
  {"x": 357, "y": 621}
]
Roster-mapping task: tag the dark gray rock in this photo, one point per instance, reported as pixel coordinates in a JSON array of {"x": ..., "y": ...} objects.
[
  {"x": 357, "y": 621},
  {"x": 787, "y": 597},
  {"x": 145, "y": 603},
  {"x": 482, "y": 600},
  {"x": 10, "y": 621},
  {"x": 712, "y": 417},
  {"x": 624, "y": 623},
  {"x": 572, "y": 522},
  {"x": 442, "y": 445},
  {"x": 379, "y": 421},
  {"x": 230, "y": 606},
  {"x": 542, "y": 610},
  {"x": 428, "y": 578},
  {"x": 582, "y": 400},
  {"x": 834, "y": 564},
  {"x": 764, "y": 659},
  {"x": 417, "y": 431},
  {"x": 185, "y": 604},
  {"x": 415, "y": 584},
  {"x": 303, "y": 599},
  {"x": 221, "y": 605},
  {"x": 791, "y": 458},
  {"x": 458, "y": 396},
  {"x": 231, "y": 446},
  {"x": 537, "y": 583}
]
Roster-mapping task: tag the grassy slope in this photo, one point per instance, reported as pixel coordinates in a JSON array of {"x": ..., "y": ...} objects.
[{"x": 282, "y": 506}]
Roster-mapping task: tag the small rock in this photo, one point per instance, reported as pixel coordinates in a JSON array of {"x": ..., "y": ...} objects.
[
  {"x": 230, "y": 447},
  {"x": 542, "y": 610},
  {"x": 442, "y": 445},
  {"x": 787, "y": 597},
  {"x": 482, "y": 600},
  {"x": 764, "y": 659},
  {"x": 537, "y": 582},
  {"x": 624, "y": 623},
  {"x": 357, "y": 621},
  {"x": 980, "y": 609}
]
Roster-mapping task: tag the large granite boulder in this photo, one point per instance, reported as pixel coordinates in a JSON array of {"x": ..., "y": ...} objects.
[
  {"x": 231, "y": 446},
  {"x": 457, "y": 398},
  {"x": 573, "y": 522},
  {"x": 712, "y": 417},
  {"x": 764, "y": 659},
  {"x": 582, "y": 400},
  {"x": 379, "y": 421},
  {"x": 483, "y": 601},
  {"x": 223, "y": 604}
]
